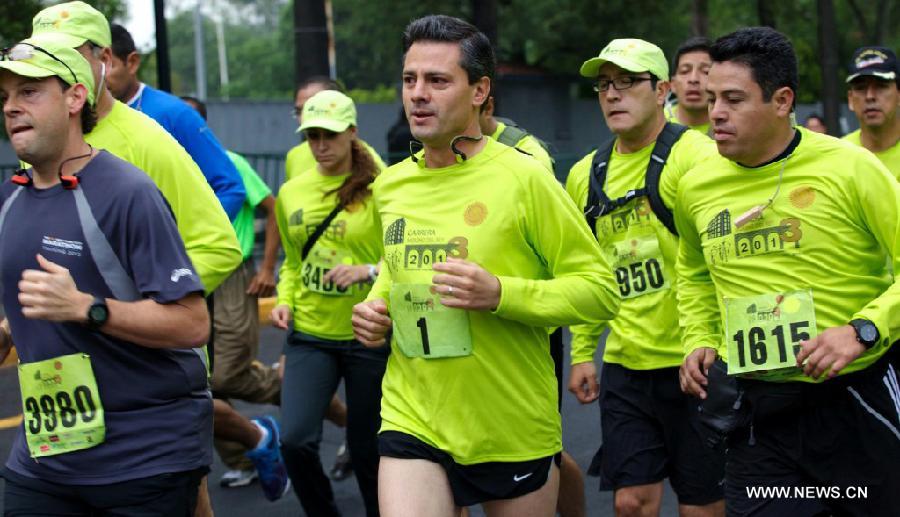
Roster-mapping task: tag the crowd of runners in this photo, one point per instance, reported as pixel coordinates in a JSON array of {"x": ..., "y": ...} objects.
[{"x": 742, "y": 266}]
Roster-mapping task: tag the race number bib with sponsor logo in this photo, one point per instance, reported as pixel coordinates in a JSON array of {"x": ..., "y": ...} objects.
[
  {"x": 61, "y": 405},
  {"x": 764, "y": 332},
  {"x": 319, "y": 262},
  {"x": 638, "y": 265},
  {"x": 426, "y": 328}
]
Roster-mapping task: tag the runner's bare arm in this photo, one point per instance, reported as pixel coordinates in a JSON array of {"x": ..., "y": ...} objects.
[
  {"x": 51, "y": 294},
  {"x": 263, "y": 283}
]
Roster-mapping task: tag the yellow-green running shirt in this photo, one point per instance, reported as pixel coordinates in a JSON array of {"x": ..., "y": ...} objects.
[
  {"x": 208, "y": 236},
  {"x": 300, "y": 159},
  {"x": 352, "y": 238},
  {"x": 645, "y": 334},
  {"x": 889, "y": 157},
  {"x": 671, "y": 112},
  {"x": 836, "y": 212},
  {"x": 501, "y": 210}
]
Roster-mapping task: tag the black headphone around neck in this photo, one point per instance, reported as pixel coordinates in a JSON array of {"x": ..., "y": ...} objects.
[{"x": 68, "y": 181}]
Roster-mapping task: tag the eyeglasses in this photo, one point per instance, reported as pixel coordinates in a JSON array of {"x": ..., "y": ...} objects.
[
  {"x": 619, "y": 83},
  {"x": 296, "y": 112},
  {"x": 25, "y": 51}
]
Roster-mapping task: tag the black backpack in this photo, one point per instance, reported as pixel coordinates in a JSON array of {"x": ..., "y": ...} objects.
[{"x": 599, "y": 204}]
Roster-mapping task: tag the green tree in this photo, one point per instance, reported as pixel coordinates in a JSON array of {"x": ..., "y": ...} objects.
[
  {"x": 553, "y": 35},
  {"x": 257, "y": 45}
]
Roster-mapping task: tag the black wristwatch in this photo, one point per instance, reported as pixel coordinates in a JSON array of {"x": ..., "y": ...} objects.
[
  {"x": 866, "y": 332},
  {"x": 97, "y": 314}
]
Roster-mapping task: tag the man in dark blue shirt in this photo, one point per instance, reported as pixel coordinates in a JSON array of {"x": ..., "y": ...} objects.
[{"x": 104, "y": 307}]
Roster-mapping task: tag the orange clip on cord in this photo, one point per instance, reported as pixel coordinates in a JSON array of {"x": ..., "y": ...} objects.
[
  {"x": 20, "y": 178},
  {"x": 23, "y": 180},
  {"x": 68, "y": 182}
]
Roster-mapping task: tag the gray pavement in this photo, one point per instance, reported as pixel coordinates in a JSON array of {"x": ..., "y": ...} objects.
[{"x": 581, "y": 425}]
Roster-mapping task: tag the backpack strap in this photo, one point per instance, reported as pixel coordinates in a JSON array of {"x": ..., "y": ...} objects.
[
  {"x": 516, "y": 134},
  {"x": 670, "y": 134},
  {"x": 511, "y": 135},
  {"x": 599, "y": 204}
]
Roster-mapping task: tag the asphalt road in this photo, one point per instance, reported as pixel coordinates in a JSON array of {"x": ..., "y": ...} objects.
[{"x": 581, "y": 437}]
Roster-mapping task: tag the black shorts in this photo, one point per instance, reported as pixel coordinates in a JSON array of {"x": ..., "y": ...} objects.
[
  {"x": 472, "y": 484},
  {"x": 832, "y": 447},
  {"x": 164, "y": 495},
  {"x": 649, "y": 430}
]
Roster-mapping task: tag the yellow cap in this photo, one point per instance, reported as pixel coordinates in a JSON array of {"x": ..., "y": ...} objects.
[
  {"x": 78, "y": 21},
  {"x": 634, "y": 55},
  {"x": 328, "y": 109},
  {"x": 46, "y": 57}
]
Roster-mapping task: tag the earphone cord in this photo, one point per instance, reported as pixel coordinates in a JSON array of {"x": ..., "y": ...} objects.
[
  {"x": 459, "y": 153},
  {"x": 67, "y": 160},
  {"x": 778, "y": 186}
]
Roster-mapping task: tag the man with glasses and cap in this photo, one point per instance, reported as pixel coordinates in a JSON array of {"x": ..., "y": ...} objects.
[
  {"x": 105, "y": 309},
  {"x": 874, "y": 97},
  {"x": 139, "y": 140},
  {"x": 627, "y": 188}
]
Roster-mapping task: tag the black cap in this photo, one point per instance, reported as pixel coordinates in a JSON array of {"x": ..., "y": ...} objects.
[{"x": 879, "y": 62}]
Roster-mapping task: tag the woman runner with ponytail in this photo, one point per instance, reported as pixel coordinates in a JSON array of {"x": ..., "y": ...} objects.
[{"x": 332, "y": 244}]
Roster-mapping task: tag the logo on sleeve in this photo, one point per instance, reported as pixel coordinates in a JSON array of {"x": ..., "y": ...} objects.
[{"x": 178, "y": 273}]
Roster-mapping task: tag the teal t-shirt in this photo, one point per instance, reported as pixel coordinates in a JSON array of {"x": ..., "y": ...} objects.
[{"x": 257, "y": 190}]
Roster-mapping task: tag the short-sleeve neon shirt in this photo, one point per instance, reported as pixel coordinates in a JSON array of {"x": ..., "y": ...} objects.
[
  {"x": 208, "y": 235},
  {"x": 257, "y": 190}
]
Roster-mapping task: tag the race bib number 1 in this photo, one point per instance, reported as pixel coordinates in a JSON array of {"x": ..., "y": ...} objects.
[
  {"x": 764, "y": 332},
  {"x": 425, "y": 328},
  {"x": 639, "y": 266},
  {"x": 61, "y": 405}
]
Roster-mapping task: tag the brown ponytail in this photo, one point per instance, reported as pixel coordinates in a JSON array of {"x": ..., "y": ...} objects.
[{"x": 363, "y": 169}]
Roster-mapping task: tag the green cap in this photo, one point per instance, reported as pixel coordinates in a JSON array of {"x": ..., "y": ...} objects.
[
  {"x": 40, "y": 57},
  {"x": 328, "y": 109},
  {"x": 634, "y": 55},
  {"x": 78, "y": 21}
]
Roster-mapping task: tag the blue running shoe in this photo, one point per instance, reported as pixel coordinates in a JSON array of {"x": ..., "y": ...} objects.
[{"x": 268, "y": 462}]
